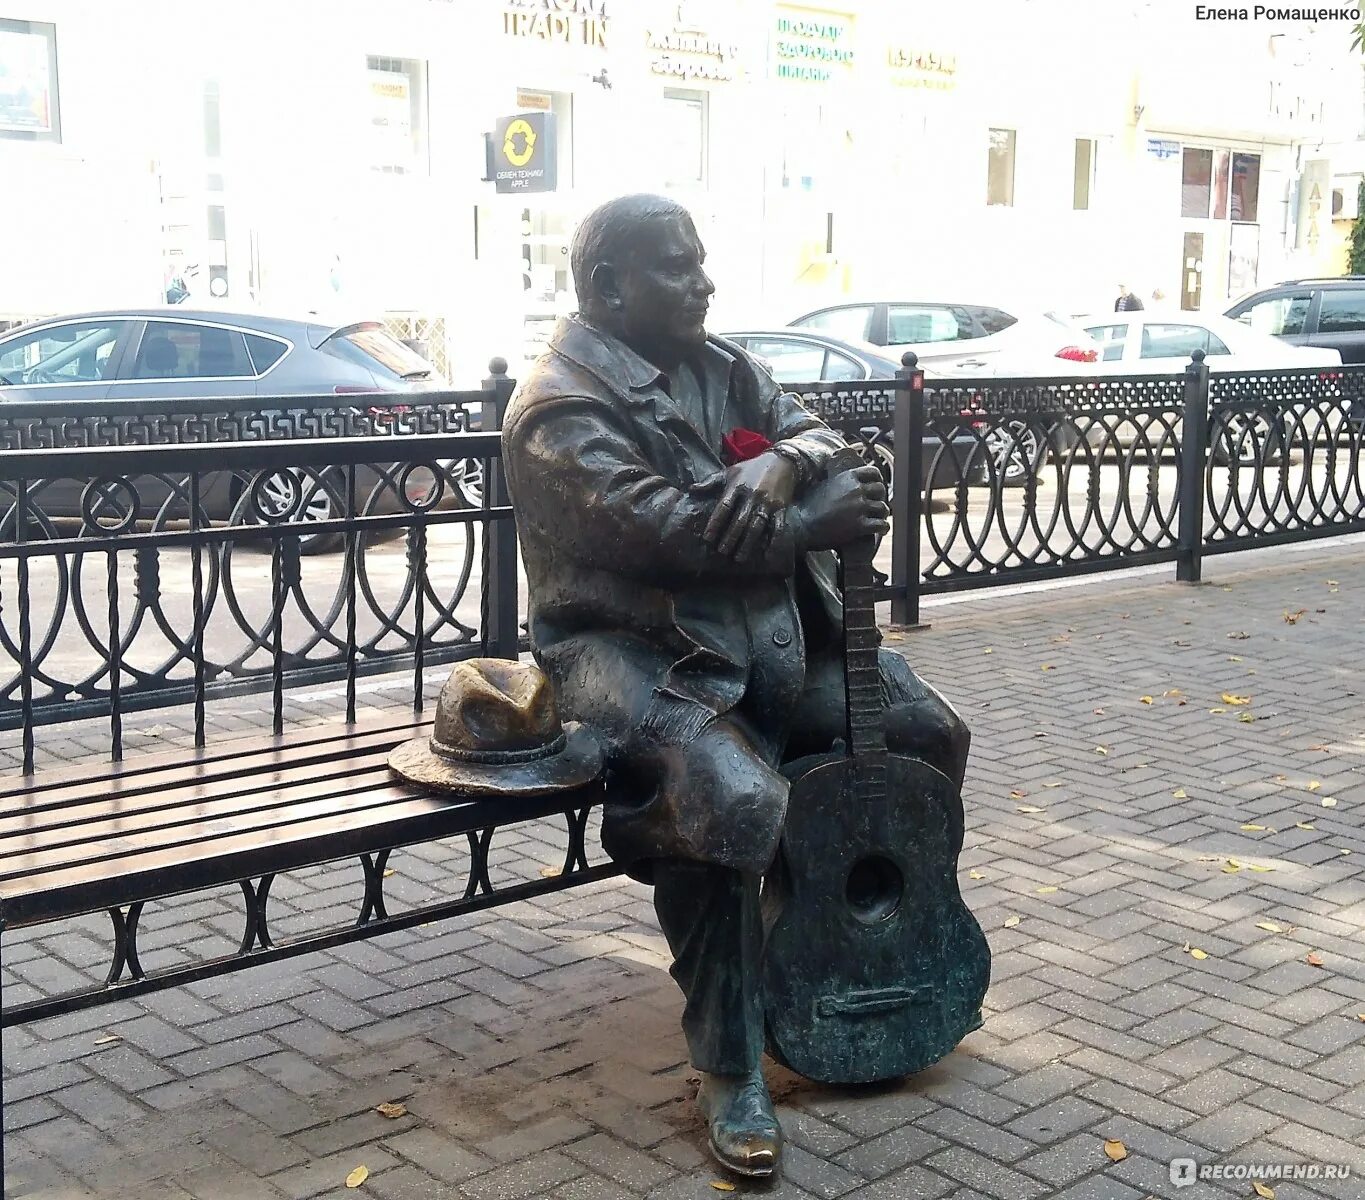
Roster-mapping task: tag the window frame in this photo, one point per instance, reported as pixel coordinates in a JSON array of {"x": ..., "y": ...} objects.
[
  {"x": 807, "y": 321},
  {"x": 702, "y": 100},
  {"x": 1010, "y": 157},
  {"x": 418, "y": 159},
  {"x": 1086, "y": 203},
  {"x": 46, "y": 30},
  {"x": 148, "y": 322}
]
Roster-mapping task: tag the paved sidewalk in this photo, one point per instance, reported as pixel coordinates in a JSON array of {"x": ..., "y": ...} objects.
[{"x": 1123, "y": 813}]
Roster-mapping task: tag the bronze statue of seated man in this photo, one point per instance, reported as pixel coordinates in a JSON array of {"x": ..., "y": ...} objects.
[{"x": 686, "y": 609}]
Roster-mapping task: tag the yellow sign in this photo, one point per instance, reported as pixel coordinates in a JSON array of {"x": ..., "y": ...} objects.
[{"x": 519, "y": 129}]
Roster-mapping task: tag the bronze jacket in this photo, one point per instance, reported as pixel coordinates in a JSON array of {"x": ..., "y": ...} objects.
[{"x": 612, "y": 487}]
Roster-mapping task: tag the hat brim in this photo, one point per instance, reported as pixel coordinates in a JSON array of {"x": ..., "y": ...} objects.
[{"x": 578, "y": 763}]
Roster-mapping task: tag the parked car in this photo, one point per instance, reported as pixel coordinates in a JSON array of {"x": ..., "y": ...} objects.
[
  {"x": 797, "y": 356},
  {"x": 1326, "y": 313},
  {"x": 962, "y": 339},
  {"x": 1161, "y": 343},
  {"x": 175, "y": 354}
]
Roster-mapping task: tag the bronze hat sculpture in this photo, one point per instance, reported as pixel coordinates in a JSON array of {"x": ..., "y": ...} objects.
[{"x": 497, "y": 732}]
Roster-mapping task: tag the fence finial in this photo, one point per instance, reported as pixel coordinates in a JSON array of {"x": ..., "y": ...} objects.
[
  {"x": 497, "y": 366},
  {"x": 910, "y": 360}
]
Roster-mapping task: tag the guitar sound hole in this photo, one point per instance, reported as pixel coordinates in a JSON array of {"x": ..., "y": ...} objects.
[{"x": 874, "y": 889}]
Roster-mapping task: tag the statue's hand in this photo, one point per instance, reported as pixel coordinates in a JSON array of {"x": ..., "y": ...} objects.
[
  {"x": 756, "y": 493},
  {"x": 846, "y": 507}
]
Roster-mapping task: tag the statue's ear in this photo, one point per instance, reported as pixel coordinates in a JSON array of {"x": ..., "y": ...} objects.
[{"x": 606, "y": 287}]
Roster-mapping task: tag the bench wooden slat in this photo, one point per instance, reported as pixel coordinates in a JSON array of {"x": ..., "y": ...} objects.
[
  {"x": 389, "y": 817},
  {"x": 259, "y": 802},
  {"x": 324, "y": 760},
  {"x": 175, "y": 768}
]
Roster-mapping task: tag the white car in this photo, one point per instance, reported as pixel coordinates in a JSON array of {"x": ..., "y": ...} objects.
[
  {"x": 957, "y": 339},
  {"x": 1160, "y": 343}
]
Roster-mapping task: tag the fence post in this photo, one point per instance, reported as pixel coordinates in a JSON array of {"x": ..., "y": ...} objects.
[
  {"x": 502, "y": 611},
  {"x": 1194, "y": 449},
  {"x": 907, "y": 428}
]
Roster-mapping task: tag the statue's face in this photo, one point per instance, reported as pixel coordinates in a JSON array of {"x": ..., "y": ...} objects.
[{"x": 664, "y": 293}]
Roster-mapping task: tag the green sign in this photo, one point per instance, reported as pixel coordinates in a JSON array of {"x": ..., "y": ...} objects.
[{"x": 523, "y": 154}]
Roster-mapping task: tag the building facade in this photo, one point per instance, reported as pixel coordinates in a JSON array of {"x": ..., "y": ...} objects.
[{"x": 335, "y": 157}]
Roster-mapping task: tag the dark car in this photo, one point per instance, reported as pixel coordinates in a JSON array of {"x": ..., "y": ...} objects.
[
  {"x": 1310, "y": 312},
  {"x": 154, "y": 355},
  {"x": 795, "y": 356}
]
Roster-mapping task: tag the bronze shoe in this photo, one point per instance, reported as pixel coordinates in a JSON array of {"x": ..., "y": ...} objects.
[{"x": 743, "y": 1129}]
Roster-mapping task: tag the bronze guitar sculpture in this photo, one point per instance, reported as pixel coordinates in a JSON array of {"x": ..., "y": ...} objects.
[{"x": 873, "y": 966}]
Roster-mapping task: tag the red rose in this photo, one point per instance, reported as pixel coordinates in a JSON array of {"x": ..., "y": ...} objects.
[{"x": 740, "y": 445}]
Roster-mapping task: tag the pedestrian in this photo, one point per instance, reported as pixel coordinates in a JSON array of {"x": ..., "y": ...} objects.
[
  {"x": 1127, "y": 301},
  {"x": 675, "y": 520}
]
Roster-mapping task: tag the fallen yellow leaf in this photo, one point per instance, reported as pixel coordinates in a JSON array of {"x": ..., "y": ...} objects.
[
  {"x": 1101, "y": 749},
  {"x": 1235, "y": 700},
  {"x": 1345, "y": 851},
  {"x": 1048, "y": 667},
  {"x": 1116, "y": 1150},
  {"x": 1257, "y": 828},
  {"x": 988, "y": 650},
  {"x": 1329, "y": 802},
  {"x": 1305, "y": 825},
  {"x": 1180, "y": 794},
  {"x": 1146, "y": 699},
  {"x": 389, "y": 872},
  {"x": 1270, "y": 926},
  {"x": 1027, "y": 808},
  {"x": 1231, "y": 870},
  {"x": 1051, "y": 783},
  {"x": 1246, "y": 718},
  {"x": 722, "y": 1185},
  {"x": 1216, "y": 711},
  {"x": 1292, "y": 618},
  {"x": 1011, "y": 922},
  {"x": 1258, "y": 867},
  {"x": 1234, "y": 658},
  {"x": 975, "y": 875},
  {"x": 107, "y": 1038},
  {"x": 1313, "y": 785},
  {"x": 1199, "y": 954},
  {"x": 551, "y": 872},
  {"x": 357, "y": 1177},
  {"x": 1017, "y": 794},
  {"x": 1046, "y": 889},
  {"x": 1264, "y": 1190},
  {"x": 393, "y": 1110}
]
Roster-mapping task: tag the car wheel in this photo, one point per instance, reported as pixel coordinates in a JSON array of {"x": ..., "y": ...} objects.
[
  {"x": 1014, "y": 448},
  {"x": 321, "y": 501},
  {"x": 1249, "y": 439},
  {"x": 468, "y": 477}
]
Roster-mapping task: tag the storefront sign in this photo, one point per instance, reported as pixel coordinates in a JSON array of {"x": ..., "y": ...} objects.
[
  {"x": 811, "y": 45},
  {"x": 687, "y": 48},
  {"x": 28, "y": 80},
  {"x": 570, "y": 22},
  {"x": 391, "y": 117},
  {"x": 912, "y": 67},
  {"x": 540, "y": 101},
  {"x": 1162, "y": 148},
  {"x": 523, "y": 154}
]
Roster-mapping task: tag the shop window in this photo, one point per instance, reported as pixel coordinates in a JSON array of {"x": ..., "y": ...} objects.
[
  {"x": 1000, "y": 168},
  {"x": 1083, "y": 174},
  {"x": 1196, "y": 182},
  {"x": 1246, "y": 186},
  {"x": 30, "y": 108},
  {"x": 1221, "y": 158},
  {"x": 684, "y": 138},
  {"x": 397, "y": 98}
]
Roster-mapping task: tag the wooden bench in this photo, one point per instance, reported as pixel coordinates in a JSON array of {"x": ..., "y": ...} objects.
[{"x": 78, "y": 840}]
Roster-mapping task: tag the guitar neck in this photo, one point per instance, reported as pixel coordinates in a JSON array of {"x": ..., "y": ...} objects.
[{"x": 862, "y": 673}]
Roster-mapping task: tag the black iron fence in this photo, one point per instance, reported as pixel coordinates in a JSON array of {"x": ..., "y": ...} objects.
[
  {"x": 1035, "y": 479},
  {"x": 218, "y": 547},
  {"x": 144, "y": 562}
]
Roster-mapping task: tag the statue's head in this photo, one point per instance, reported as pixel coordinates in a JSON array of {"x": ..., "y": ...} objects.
[{"x": 637, "y": 267}]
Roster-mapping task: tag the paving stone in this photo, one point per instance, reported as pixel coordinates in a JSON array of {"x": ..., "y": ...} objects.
[{"x": 537, "y": 1046}]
